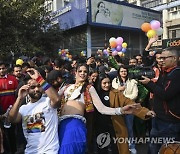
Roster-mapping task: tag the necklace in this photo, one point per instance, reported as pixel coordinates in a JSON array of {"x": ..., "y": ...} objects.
[{"x": 73, "y": 89}]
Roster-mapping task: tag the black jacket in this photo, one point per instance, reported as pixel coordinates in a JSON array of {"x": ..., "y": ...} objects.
[{"x": 166, "y": 91}]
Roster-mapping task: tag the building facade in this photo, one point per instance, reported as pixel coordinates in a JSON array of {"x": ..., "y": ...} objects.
[
  {"x": 86, "y": 28},
  {"x": 170, "y": 10}
]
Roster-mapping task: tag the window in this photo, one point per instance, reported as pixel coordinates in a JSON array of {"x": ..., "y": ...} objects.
[
  {"x": 151, "y": 4},
  {"x": 173, "y": 33},
  {"x": 173, "y": 9},
  {"x": 178, "y": 33}
]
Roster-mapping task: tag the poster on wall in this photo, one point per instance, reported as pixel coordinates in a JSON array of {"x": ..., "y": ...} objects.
[{"x": 115, "y": 14}]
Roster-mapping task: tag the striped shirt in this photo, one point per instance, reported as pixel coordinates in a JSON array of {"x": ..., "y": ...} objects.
[{"x": 8, "y": 85}]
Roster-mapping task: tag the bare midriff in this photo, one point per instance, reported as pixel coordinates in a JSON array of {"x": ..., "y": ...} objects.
[{"x": 73, "y": 107}]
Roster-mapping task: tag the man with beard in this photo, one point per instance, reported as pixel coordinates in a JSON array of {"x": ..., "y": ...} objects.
[
  {"x": 17, "y": 72},
  {"x": 41, "y": 134}
]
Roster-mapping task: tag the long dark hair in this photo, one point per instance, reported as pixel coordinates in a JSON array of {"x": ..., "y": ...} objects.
[
  {"x": 99, "y": 80},
  {"x": 119, "y": 77},
  {"x": 98, "y": 5},
  {"x": 86, "y": 81}
]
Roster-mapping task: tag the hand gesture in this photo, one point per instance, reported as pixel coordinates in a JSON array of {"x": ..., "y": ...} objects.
[
  {"x": 33, "y": 73},
  {"x": 7, "y": 111},
  {"x": 150, "y": 114},
  {"x": 23, "y": 91},
  {"x": 152, "y": 40},
  {"x": 90, "y": 61},
  {"x": 145, "y": 80},
  {"x": 129, "y": 109}
]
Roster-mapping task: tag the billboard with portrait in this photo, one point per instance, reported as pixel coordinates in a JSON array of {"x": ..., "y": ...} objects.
[
  {"x": 72, "y": 15},
  {"x": 120, "y": 14}
]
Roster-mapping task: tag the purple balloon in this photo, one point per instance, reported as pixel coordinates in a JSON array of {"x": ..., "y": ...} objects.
[
  {"x": 155, "y": 24},
  {"x": 105, "y": 51},
  {"x": 118, "y": 48}
]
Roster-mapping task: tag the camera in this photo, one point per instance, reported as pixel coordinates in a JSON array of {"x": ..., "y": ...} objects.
[{"x": 138, "y": 72}]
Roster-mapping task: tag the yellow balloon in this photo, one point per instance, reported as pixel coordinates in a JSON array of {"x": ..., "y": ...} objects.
[
  {"x": 19, "y": 62},
  {"x": 151, "y": 33},
  {"x": 124, "y": 45}
]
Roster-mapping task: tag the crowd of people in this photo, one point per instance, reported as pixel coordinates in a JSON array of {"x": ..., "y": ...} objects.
[{"x": 63, "y": 106}]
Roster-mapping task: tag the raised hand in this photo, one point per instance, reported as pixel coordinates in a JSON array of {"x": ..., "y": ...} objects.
[
  {"x": 152, "y": 40},
  {"x": 33, "y": 73},
  {"x": 23, "y": 91}
]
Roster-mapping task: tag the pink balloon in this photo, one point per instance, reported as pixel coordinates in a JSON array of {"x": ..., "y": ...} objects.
[
  {"x": 114, "y": 53},
  {"x": 119, "y": 40},
  {"x": 118, "y": 48},
  {"x": 155, "y": 24}
]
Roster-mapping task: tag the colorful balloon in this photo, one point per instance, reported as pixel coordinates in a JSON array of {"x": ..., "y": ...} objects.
[
  {"x": 124, "y": 45},
  {"x": 111, "y": 39},
  {"x": 113, "y": 44},
  {"x": 105, "y": 52},
  {"x": 114, "y": 53},
  {"x": 119, "y": 40},
  {"x": 123, "y": 50},
  {"x": 159, "y": 31},
  {"x": 155, "y": 24},
  {"x": 113, "y": 49},
  {"x": 120, "y": 53},
  {"x": 151, "y": 33},
  {"x": 118, "y": 48},
  {"x": 146, "y": 27},
  {"x": 19, "y": 62}
]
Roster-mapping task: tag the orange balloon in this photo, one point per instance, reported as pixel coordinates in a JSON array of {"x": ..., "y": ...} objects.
[
  {"x": 113, "y": 44},
  {"x": 146, "y": 27}
]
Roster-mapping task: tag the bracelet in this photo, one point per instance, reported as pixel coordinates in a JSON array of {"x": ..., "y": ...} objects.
[{"x": 43, "y": 83}]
